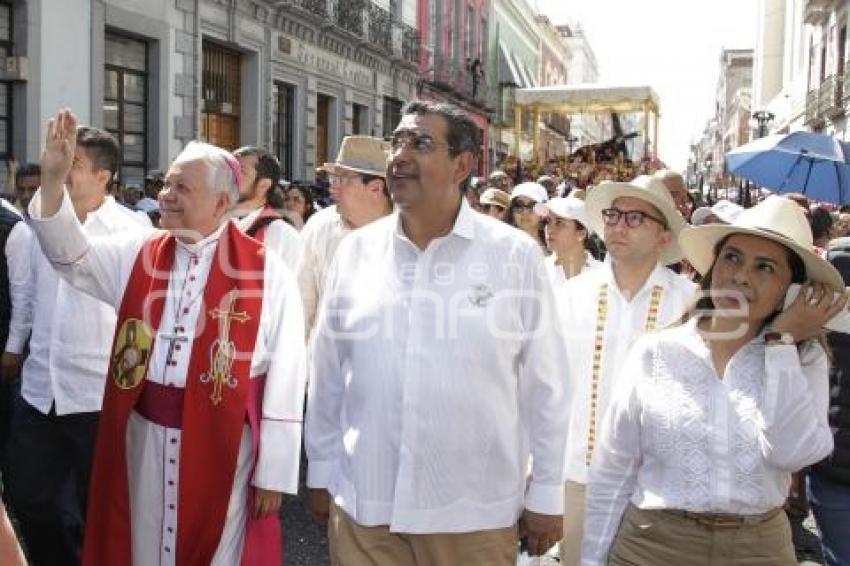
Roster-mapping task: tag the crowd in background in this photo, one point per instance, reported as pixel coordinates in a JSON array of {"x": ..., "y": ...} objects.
[{"x": 620, "y": 243}]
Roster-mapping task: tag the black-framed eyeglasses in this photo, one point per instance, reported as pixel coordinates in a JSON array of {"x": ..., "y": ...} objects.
[
  {"x": 634, "y": 218},
  {"x": 342, "y": 179},
  {"x": 420, "y": 143}
]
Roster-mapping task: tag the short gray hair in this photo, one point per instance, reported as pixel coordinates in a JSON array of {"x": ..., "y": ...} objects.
[{"x": 223, "y": 169}]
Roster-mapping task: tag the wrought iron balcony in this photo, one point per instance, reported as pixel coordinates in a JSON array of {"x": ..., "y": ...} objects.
[
  {"x": 316, "y": 7},
  {"x": 380, "y": 28},
  {"x": 463, "y": 79},
  {"x": 349, "y": 15},
  {"x": 816, "y": 12},
  {"x": 814, "y": 117},
  {"x": 410, "y": 43},
  {"x": 829, "y": 96}
]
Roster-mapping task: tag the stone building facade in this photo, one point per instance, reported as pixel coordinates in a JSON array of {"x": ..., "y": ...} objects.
[{"x": 294, "y": 76}]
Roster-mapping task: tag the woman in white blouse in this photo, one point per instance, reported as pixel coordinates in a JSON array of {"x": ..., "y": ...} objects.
[
  {"x": 566, "y": 237},
  {"x": 697, "y": 450}
]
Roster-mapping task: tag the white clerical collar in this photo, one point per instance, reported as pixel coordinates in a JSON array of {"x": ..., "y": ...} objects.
[{"x": 200, "y": 245}]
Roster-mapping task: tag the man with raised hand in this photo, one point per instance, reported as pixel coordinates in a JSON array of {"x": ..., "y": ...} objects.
[{"x": 201, "y": 425}]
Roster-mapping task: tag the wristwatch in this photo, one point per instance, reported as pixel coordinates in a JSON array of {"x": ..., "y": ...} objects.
[{"x": 773, "y": 338}]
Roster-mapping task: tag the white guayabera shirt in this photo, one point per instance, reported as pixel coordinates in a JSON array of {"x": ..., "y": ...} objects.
[
  {"x": 437, "y": 371},
  {"x": 679, "y": 437},
  {"x": 320, "y": 237},
  {"x": 625, "y": 321}
]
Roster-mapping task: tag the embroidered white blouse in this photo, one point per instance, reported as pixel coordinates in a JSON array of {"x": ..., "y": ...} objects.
[{"x": 678, "y": 437}]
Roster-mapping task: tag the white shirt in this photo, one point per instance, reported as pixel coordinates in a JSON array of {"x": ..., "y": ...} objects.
[
  {"x": 102, "y": 267},
  {"x": 434, "y": 369},
  {"x": 578, "y": 301},
  {"x": 71, "y": 331},
  {"x": 18, "y": 261},
  {"x": 280, "y": 237},
  {"x": 321, "y": 237},
  {"x": 678, "y": 437},
  {"x": 556, "y": 271}
]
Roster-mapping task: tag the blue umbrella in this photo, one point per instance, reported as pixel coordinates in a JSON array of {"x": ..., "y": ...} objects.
[{"x": 813, "y": 164}]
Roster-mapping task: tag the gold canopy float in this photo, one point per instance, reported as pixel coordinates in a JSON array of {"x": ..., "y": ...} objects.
[{"x": 585, "y": 99}]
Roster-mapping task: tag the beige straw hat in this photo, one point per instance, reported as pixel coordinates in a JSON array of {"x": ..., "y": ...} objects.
[
  {"x": 360, "y": 154},
  {"x": 646, "y": 188},
  {"x": 776, "y": 218}
]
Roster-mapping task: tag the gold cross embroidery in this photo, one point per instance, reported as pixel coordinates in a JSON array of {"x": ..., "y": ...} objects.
[{"x": 223, "y": 350}]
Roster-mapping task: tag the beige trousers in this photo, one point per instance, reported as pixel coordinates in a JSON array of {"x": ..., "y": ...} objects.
[
  {"x": 650, "y": 538},
  {"x": 573, "y": 523},
  {"x": 355, "y": 545}
]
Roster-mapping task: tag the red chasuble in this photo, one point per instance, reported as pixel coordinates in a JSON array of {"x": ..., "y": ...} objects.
[
  {"x": 260, "y": 226},
  {"x": 218, "y": 400}
]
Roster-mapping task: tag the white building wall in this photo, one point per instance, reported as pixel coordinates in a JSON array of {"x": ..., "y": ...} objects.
[{"x": 63, "y": 76}]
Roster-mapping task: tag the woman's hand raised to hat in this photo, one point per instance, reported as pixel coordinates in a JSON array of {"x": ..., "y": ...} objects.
[{"x": 814, "y": 306}]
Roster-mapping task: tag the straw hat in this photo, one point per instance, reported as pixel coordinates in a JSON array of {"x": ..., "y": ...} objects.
[
  {"x": 646, "y": 188},
  {"x": 776, "y": 218},
  {"x": 360, "y": 154},
  {"x": 565, "y": 207},
  {"x": 534, "y": 191},
  {"x": 495, "y": 196}
]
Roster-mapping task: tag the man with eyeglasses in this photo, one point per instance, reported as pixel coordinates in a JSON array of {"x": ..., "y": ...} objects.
[
  {"x": 260, "y": 203},
  {"x": 605, "y": 310},
  {"x": 436, "y": 373},
  {"x": 358, "y": 187}
]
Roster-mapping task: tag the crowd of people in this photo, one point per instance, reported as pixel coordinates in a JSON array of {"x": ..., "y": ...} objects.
[{"x": 583, "y": 363}]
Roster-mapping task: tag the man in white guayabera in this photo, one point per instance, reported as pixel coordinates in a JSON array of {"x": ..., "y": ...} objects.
[{"x": 436, "y": 373}]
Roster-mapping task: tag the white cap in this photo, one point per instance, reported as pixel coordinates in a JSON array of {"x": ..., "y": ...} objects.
[
  {"x": 534, "y": 191},
  {"x": 565, "y": 207},
  {"x": 723, "y": 209}
]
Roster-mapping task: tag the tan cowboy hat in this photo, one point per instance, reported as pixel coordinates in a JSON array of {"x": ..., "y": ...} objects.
[
  {"x": 495, "y": 196},
  {"x": 776, "y": 218},
  {"x": 360, "y": 154},
  {"x": 646, "y": 188}
]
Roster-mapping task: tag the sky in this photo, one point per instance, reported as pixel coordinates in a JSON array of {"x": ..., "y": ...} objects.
[{"x": 671, "y": 45}]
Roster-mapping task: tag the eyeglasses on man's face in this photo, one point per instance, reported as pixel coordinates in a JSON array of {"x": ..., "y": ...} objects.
[
  {"x": 633, "y": 218},
  {"x": 342, "y": 179},
  {"x": 420, "y": 143}
]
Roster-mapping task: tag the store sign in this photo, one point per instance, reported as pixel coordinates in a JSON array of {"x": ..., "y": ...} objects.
[{"x": 323, "y": 62}]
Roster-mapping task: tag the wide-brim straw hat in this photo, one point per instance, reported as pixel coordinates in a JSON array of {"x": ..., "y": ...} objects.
[
  {"x": 360, "y": 154},
  {"x": 776, "y": 218},
  {"x": 646, "y": 188}
]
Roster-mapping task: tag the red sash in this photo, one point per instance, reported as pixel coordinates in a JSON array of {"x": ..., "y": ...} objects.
[
  {"x": 258, "y": 228},
  {"x": 211, "y": 431}
]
